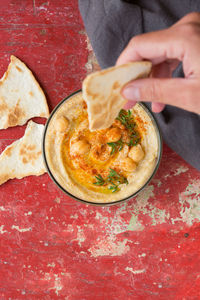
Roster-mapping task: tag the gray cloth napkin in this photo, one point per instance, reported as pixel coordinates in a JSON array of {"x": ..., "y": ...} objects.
[{"x": 110, "y": 24}]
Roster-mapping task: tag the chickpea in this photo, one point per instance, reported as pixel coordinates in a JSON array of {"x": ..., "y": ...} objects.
[
  {"x": 113, "y": 134},
  {"x": 127, "y": 165},
  {"x": 123, "y": 153},
  {"x": 80, "y": 147},
  {"x": 136, "y": 153},
  {"x": 62, "y": 124}
]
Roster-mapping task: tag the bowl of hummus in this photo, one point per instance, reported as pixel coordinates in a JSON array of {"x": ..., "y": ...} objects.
[{"x": 101, "y": 167}]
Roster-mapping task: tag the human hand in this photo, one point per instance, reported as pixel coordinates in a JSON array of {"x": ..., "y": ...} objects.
[{"x": 166, "y": 49}]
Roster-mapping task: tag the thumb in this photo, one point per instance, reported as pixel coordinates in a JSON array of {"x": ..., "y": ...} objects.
[{"x": 181, "y": 92}]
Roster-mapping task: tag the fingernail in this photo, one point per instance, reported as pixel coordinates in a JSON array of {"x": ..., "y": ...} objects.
[{"x": 131, "y": 93}]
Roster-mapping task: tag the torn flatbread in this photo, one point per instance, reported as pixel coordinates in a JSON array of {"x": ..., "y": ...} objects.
[
  {"x": 23, "y": 157},
  {"x": 21, "y": 97},
  {"x": 101, "y": 91}
]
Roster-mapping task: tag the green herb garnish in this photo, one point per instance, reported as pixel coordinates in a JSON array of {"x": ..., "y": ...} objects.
[
  {"x": 113, "y": 173},
  {"x": 133, "y": 142},
  {"x": 113, "y": 188},
  {"x": 113, "y": 179},
  {"x": 125, "y": 117},
  {"x": 116, "y": 146},
  {"x": 100, "y": 180}
]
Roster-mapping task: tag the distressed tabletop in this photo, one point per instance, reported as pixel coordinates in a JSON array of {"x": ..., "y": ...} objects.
[{"x": 53, "y": 247}]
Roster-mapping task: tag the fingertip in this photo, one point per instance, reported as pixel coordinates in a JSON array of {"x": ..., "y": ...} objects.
[
  {"x": 129, "y": 104},
  {"x": 157, "y": 107}
]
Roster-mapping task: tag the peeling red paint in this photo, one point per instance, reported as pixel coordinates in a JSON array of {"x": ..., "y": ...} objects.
[{"x": 53, "y": 247}]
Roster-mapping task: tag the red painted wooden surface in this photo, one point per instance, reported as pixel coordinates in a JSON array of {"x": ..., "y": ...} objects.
[{"x": 52, "y": 247}]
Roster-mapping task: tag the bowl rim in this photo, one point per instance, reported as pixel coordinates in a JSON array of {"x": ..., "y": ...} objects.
[{"x": 160, "y": 147}]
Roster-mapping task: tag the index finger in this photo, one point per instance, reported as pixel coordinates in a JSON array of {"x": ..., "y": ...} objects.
[{"x": 156, "y": 46}]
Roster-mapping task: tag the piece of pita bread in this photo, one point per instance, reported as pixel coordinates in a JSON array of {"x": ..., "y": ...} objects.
[
  {"x": 23, "y": 157},
  {"x": 101, "y": 91},
  {"x": 21, "y": 97}
]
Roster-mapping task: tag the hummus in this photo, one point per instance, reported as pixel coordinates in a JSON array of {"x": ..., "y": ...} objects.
[{"x": 102, "y": 166}]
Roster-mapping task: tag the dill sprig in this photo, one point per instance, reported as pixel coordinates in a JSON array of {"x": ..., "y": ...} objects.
[
  {"x": 113, "y": 179},
  {"x": 116, "y": 146},
  {"x": 125, "y": 117},
  {"x": 100, "y": 180}
]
